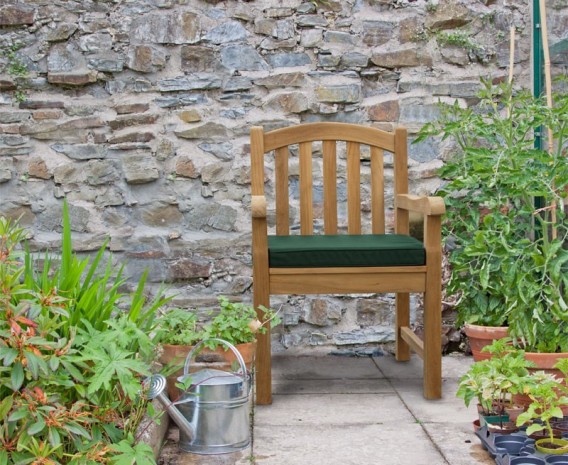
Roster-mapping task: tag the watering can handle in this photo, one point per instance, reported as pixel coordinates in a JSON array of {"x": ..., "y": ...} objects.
[{"x": 228, "y": 344}]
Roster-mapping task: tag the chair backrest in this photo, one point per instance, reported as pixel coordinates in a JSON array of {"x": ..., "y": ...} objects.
[{"x": 303, "y": 136}]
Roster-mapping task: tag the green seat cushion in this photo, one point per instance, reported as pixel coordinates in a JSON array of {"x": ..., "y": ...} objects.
[{"x": 344, "y": 250}]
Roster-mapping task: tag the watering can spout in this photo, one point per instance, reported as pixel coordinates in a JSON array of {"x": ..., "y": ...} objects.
[{"x": 155, "y": 386}]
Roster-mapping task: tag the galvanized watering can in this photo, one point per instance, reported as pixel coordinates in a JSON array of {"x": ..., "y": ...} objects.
[{"x": 213, "y": 414}]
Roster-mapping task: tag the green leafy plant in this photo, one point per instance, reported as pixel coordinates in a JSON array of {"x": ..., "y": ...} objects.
[
  {"x": 548, "y": 395},
  {"x": 16, "y": 68},
  {"x": 492, "y": 382},
  {"x": 91, "y": 286},
  {"x": 70, "y": 394},
  {"x": 178, "y": 326},
  {"x": 237, "y": 323},
  {"x": 506, "y": 266}
]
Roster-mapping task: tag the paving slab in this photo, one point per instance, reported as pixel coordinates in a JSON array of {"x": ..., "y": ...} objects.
[{"x": 331, "y": 386}]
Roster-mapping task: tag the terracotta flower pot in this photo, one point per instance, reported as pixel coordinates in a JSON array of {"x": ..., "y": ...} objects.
[
  {"x": 481, "y": 336},
  {"x": 219, "y": 358},
  {"x": 543, "y": 362}
]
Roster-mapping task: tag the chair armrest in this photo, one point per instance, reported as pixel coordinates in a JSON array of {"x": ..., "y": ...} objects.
[
  {"x": 430, "y": 206},
  {"x": 258, "y": 206}
]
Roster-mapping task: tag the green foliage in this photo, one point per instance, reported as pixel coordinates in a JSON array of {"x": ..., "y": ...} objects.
[
  {"x": 16, "y": 68},
  {"x": 90, "y": 287},
  {"x": 502, "y": 270},
  {"x": 548, "y": 396},
  {"x": 459, "y": 39},
  {"x": 179, "y": 327},
  {"x": 493, "y": 381},
  {"x": 234, "y": 323},
  {"x": 69, "y": 393}
]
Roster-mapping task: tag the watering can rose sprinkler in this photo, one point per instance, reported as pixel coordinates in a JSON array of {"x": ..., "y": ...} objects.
[{"x": 213, "y": 411}]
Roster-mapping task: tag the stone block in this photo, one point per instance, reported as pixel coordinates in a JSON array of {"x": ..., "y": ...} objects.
[
  {"x": 60, "y": 32},
  {"x": 181, "y": 27},
  {"x": 159, "y": 214},
  {"x": 223, "y": 150},
  {"x": 273, "y": 44},
  {"x": 424, "y": 151},
  {"x": 282, "y": 80},
  {"x": 407, "y": 56},
  {"x": 165, "y": 149},
  {"x": 282, "y": 12},
  {"x": 189, "y": 116},
  {"x": 311, "y": 38},
  {"x": 242, "y": 57},
  {"x": 339, "y": 37},
  {"x": 409, "y": 29},
  {"x": 47, "y": 114},
  {"x": 17, "y": 14},
  {"x": 311, "y": 21},
  {"x": 180, "y": 100},
  {"x": 289, "y": 102},
  {"x": 146, "y": 58},
  {"x": 37, "y": 104},
  {"x": 214, "y": 172},
  {"x": 81, "y": 151},
  {"x": 186, "y": 168},
  {"x": 372, "y": 312},
  {"x": 232, "y": 31},
  {"x": 354, "y": 60},
  {"x": 13, "y": 116},
  {"x": 328, "y": 60},
  {"x": 140, "y": 168},
  {"x": 264, "y": 26},
  {"x": 189, "y": 268},
  {"x": 206, "y": 131},
  {"x": 102, "y": 172},
  {"x": 94, "y": 43},
  {"x": 197, "y": 58},
  {"x": 198, "y": 81},
  {"x": 321, "y": 312},
  {"x": 69, "y": 173},
  {"x": 342, "y": 93},
  {"x": 238, "y": 84},
  {"x": 76, "y": 78},
  {"x": 288, "y": 60},
  {"x": 455, "y": 55},
  {"x": 210, "y": 216},
  {"x": 127, "y": 121},
  {"x": 132, "y": 137},
  {"x": 372, "y": 334},
  {"x": 450, "y": 14},
  {"x": 6, "y": 169},
  {"x": 377, "y": 32},
  {"x": 384, "y": 111},
  {"x": 128, "y": 108},
  {"x": 37, "y": 168}
]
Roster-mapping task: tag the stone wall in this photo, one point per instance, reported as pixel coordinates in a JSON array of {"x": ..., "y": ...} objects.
[{"x": 138, "y": 112}]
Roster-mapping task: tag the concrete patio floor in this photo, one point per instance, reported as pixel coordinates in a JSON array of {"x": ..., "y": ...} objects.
[{"x": 342, "y": 410}]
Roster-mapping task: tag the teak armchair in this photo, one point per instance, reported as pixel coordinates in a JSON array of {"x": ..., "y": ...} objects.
[{"x": 332, "y": 263}]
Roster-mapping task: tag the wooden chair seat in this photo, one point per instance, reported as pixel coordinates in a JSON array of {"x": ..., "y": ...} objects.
[
  {"x": 342, "y": 250},
  {"x": 355, "y": 262}
]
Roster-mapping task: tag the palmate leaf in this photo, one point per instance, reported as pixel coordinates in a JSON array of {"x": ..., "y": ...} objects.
[{"x": 140, "y": 454}]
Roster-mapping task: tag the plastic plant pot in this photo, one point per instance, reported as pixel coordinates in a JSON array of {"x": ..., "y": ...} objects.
[
  {"x": 526, "y": 461},
  {"x": 557, "y": 459},
  {"x": 541, "y": 446},
  {"x": 509, "y": 444}
]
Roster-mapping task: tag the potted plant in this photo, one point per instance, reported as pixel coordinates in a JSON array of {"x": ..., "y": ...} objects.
[
  {"x": 69, "y": 393},
  {"x": 506, "y": 252},
  {"x": 493, "y": 381},
  {"x": 548, "y": 396},
  {"x": 177, "y": 330}
]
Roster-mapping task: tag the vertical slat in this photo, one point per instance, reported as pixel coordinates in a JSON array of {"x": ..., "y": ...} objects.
[
  {"x": 330, "y": 186},
  {"x": 353, "y": 188},
  {"x": 433, "y": 309},
  {"x": 282, "y": 195},
  {"x": 402, "y": 349},
  {"x": 400, "y": 178},
  {"x": 377, "y": 190},
  {"x": 257, "y": 160},
  {"x": 306, "y": 194},
  {"x": 261, "y": 280}
]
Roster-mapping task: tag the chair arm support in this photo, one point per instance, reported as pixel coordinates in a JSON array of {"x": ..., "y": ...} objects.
[
  {"x": 258, "y": 206},
  {"x": 431, "y": 206}
]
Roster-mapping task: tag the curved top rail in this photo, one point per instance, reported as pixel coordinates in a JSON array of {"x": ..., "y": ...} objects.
[{"x": 310, "y": 132}]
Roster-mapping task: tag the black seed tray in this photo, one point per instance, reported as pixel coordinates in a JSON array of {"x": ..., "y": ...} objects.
[{"x": 516, "y": 449}]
